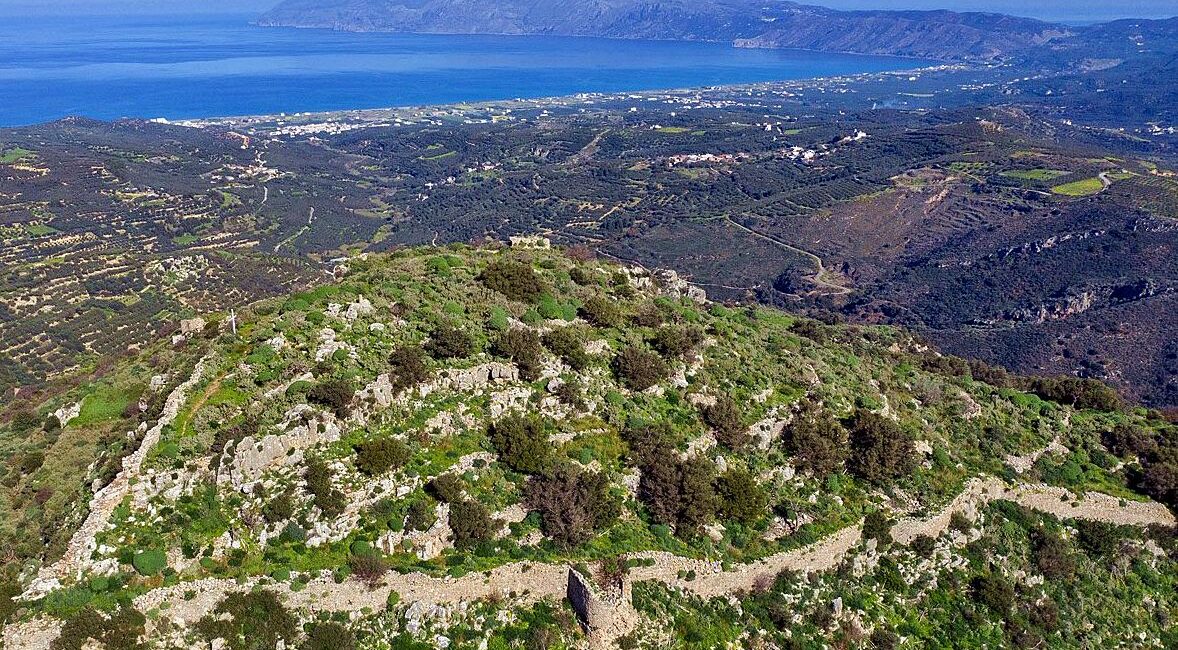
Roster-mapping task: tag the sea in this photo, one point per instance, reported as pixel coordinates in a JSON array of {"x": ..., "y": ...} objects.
[{"x": 183, "y": 67}]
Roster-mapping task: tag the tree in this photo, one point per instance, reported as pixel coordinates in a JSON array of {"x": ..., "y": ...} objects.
[
  {"x": 449, "y": 342},
  {"x": 659, "y": 486},
  {"x": 697, "y": 496},
  {"x": 522, "y": 346},
  {"x": 329, "y": 635},
  {"x": 318, "y": 478},
  {"x": 816, "y": 441},
  {"x": 513, "y": 279},
  {"x": 1126, "y": 440},
  {"x": 335, "y": 394},
  {"x": 420, "y": 515},
  {"x": 376, "y": 457},
  {"x": 573, "y": 504},
  {"x": 446, "y": 488},
  {"x": 407, "y": 367},
  {"x": 249, "y": 620},
  {"x": 522, "y": 443},
  {"x": 674, "y": 341},
  {"x": 639, "y": 369},
  {"x": 724, "y": 418},
  {"x": 741, "y": 498},
  {"x": 567, "y": 343},
  {"x": 280, "y": 508},
  {"x": 877, "y": 526},
  {"x": 994, "y": 591},
  {"x": 601, "y": 312},
  {"x": 471, "y": 523},
  {"x": 881, "y": 451},
  {"x": 368, "y": 567},
  {"x": 1052, "y": 556}
]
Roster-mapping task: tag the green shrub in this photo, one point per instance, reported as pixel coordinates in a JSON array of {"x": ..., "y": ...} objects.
[
  {"x": 880, "y": 450},
  {"x": 471, "y": 522},
  {"x": 120, "y": 630},
  {"x": 376, "y": 457},
  {"x": 639, "y": 369},
  {"x": 522, "y": 443},
  {"x": 407, "y": 367},
  {"x": 994, "y": 591},
  {"x": 878, "y": 527},
  {"x": 368, "y": 567},
  {"x": 568, "y": 344},
  {"x": 446, "y": 488},
  {"x": 450, "y": 342},
  {"x": 335, "y": 394},
  {"x": 674, "y": 341},
  {"x": 150, "y": 562},
  {"x": 420, "y": 515},
  {"x": 741, "y": 496},
  {"x": 249, "y": 620},
  {"x": 325, "y": 495},
  {"x": 280, "y": 508},
  {"x": 816, "y": 442},
  {"x": 522, "y": 346},
  {"x": 573, "y": 504},
  {"x": 328, "y": 635},
  {"x": 513, "y": 279},
  {"x": 725, "y": 420},
  {"x": 601, "y": 312}
]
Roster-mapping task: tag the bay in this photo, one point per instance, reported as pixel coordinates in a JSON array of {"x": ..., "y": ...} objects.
[{"x": 205, "y": 66}]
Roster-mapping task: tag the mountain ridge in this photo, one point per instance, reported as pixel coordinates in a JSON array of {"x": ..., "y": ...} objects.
[{"x": 931, "y": 34}]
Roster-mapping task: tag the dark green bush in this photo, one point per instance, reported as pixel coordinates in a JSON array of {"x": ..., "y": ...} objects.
[
  {"x": 601, "y": 312},
  {"x": 573, "y": 504},
  {"x": 639, "y": 369},
  {"x": 450, "y": 342},
  {"x": 816, "y": 441},
  {"x": 335, "y": 394},
  {"x": 249, "y": 621},
  {"x": 407, "y": 367},
  {"x": 725, "y": 420},
  {"x": 741, "y": 496},
  {"x": 376, "y": 457},
  {"x": 446, "y": 488},
  {"x": 993, "y": 591},
  {"x": 120, "y": 630},
  {"x": 329, "y": 635},
  {"x": 513, "y": 279},
  {"x": 522, "y": 346},
  {"x": 877, "y": 526},
  {"x": 471, "y": 522},
  {"x": 420, "y": 515},
  {"x": 674, "y": 341},
  {"x": 318, "y": 477},
  {"x": 522, "y": 443},
  {"x": 279, "y": 508},
  {"x": 880, "y": 450},
  {"x": 568, "y": 344}
]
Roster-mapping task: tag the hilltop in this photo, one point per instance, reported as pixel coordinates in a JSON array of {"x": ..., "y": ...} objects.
[{"x": 529, "y": 447}]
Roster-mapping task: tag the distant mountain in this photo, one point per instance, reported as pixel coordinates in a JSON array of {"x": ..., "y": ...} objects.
[{"x": 747, "y": 23}]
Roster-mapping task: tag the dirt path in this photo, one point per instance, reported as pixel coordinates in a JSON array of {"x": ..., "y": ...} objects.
[{"x": 820, "y": 273}]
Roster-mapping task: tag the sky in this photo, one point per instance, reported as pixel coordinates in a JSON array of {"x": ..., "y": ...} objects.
[{"x": 1058, "y": 10}]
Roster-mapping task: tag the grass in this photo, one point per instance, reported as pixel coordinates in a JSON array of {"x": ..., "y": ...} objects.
[
  {"x": 1040, "y": 174},
  {"x": 672, "y": 129},
  {"x": 441, "y": 156},
  {"x": 39, "y": 229},
  {"x": 106, "y": 403},
  {"x": 185, "y": 239},
  {"x": 15, "y": 155},
  {"x": 1085, "y": 187}
]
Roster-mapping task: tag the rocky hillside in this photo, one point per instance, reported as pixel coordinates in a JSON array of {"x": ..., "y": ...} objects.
[
  {"x": 932, "y": 34},
  {"x": 522, "y": 447}
]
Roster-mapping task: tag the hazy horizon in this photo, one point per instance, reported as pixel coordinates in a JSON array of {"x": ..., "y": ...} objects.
[{"x": 1054, "y": 10}]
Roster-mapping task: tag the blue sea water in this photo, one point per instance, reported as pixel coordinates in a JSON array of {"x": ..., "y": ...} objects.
[{"x": 204, "y": 66}]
